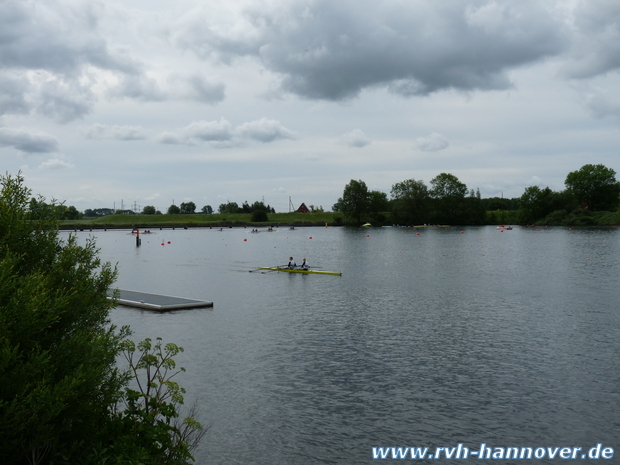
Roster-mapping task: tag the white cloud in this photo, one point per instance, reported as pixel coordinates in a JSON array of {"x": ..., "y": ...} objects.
[
  {"x": 115, "y": 132},
  {"x": 55, "y": 164},
  {"x": 209, "y": 131},
  {"x": 432, "y": 143},
  {"x": 355, "y": 138},
  {"x": 222, "y": 134},
  {"x": 172, "y": 138},
  {"x": 265, "y": 130}
]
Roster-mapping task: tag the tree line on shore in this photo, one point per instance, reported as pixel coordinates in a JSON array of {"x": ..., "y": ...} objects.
[
  {"x": 257, "y": 209},
  {"x": 590, "y": 192}
]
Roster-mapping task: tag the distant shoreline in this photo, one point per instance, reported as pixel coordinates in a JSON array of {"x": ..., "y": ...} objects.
[{"x": 153, "y": 226}]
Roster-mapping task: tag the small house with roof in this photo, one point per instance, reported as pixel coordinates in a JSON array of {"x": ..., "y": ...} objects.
[{"x": 302, "y": 209}]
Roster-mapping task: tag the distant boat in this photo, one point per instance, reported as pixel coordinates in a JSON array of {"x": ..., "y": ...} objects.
[
  {"x": 504, "y": 228},
  {"x": 367, "y": 224},
  {"x": 298, "y": 270}
]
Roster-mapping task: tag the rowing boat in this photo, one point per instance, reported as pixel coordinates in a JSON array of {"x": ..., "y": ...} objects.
[{"x": 297, "y": 270}]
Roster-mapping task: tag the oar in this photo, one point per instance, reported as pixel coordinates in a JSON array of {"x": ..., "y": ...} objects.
[{"x": 268, "y": 271}]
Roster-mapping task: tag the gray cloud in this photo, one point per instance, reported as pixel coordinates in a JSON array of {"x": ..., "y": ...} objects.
[
  {"x": 13, "y": 95},
  {"x": 204, "y": 91},
  {"x": 601, "y": 103},
  {"x": 218, "y": 133},
  {"x": 332, "y": 50},
  {"x": 102, "y": 131},
  {"x": 47, "y": 53},
  {"x": 59, "y": 37},
  {"x": 63, "y": 99},
  {"x": 434, "y": 142},
  {"x": 138, "y": 87},
  {"x": 209, "y": 131},
  {"x": 222, "y": 134},
  {"x": 172, "y": 138},
  {"x": 28, "y": 141},
  {"x": 265, "y": 130},
  {"x": 596, "y": 39},
  {"x": 355, "y": 138}
]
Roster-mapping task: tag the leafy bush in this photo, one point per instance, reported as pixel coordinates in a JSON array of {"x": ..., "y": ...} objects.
[
  {"x": 259, "y": 216},
  {"x": 63, "y": 400}
]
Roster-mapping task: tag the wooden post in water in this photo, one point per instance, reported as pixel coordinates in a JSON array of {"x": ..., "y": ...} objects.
[{"x": 138, "y": 240}]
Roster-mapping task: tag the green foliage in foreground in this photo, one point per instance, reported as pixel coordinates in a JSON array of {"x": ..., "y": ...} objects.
[{"x": 63, "y": 400}]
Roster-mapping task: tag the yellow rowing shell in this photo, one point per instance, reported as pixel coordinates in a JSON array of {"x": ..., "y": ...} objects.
[{"x": 293, "y": 270}]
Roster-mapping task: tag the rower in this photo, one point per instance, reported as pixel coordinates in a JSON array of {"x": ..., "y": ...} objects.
[
  {"x": 304, "y": 265},
  {"x": 291, "y": 263}
]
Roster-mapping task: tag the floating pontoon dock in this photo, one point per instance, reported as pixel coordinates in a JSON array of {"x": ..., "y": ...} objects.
[{"x": 162, "y": 303}]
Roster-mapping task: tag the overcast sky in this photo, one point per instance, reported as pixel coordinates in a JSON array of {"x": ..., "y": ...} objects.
[{"x": 153, "y": 102}]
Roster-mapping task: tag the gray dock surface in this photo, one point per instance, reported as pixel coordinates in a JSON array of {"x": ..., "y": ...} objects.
[{"x": 158, "y": 302}]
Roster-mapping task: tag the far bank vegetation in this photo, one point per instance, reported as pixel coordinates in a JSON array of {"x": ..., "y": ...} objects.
[{"x": 591, "y": 197}]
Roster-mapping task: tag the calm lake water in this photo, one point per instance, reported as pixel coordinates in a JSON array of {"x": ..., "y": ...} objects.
[{"x": 448, "y": 336}]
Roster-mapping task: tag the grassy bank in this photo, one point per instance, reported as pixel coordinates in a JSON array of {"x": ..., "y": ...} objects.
[
  {"x": 197, "y": 220},
  {"x": 202, "y": 220}
]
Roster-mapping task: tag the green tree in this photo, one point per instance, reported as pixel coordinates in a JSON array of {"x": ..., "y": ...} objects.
[
  {"x": 595, "y": 187},
  {"x": 71, "y": 213},
  {"x": 411, "y": 202},
  {"x": 149, "y": 210},
  {"x": 229, "y": 207},
  {"x": 378, "y": 205},
  {"x": 259, "y": 205},
  {"x": 447, "y": 185},
  {"x": 245, "y": 207},
  {"x": 173, "y": 210},
  {"x": 260, "y": 212},
  {"x": 62, "y": 397},
  {"x": 188, "y": 207},
  {"x": 473, "y": 209},
  {"x": 57, "y": 350},
  {"x": 98, "y": 212},
  {"x": 536, "y": 203},
  {"x": 355, "y": 202},
  {"x": 497, "y": 203},
  {"x": 207, "y": 209},
  {"x": 448, "y": 194}
]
